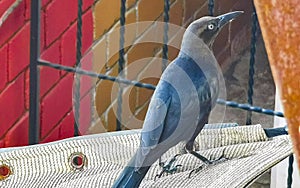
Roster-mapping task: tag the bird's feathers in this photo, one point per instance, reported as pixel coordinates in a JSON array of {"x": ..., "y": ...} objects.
[
  {"x": 176, "y": 104},
  {"x": 130, "y": 177},
  {"x": 182, "y": 101}
]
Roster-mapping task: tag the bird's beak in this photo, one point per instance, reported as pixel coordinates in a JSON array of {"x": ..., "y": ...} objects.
[{"x": 226, "y": 18}]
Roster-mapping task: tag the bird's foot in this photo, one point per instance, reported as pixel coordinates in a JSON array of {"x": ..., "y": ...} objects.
[
  {"x": 168, "y": 167},
  {"x": 196, "y": 170},
  {"x": 206, "y": 161}
]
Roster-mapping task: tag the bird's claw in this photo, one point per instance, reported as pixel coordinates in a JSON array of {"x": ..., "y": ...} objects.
[
  {"x": 218, "y": 160},
  {"x": 196, "y": 170},
  {"x": 208, "y": 162},
  {"x": 170, "y": 171},
  {"x": 169, "y": 167}
]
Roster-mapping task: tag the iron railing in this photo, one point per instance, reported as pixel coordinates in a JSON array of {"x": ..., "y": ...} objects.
[{"x": 35, "y": 62}]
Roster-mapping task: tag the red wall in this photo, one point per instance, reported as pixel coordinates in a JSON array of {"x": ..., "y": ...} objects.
[{"x": 58, "y": 45}]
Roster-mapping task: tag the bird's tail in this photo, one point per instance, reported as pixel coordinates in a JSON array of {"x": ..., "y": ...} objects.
[{"x": 131, "y": 177}]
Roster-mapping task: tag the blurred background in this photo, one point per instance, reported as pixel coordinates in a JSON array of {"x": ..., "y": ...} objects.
[{"x": 100, "y": 38}]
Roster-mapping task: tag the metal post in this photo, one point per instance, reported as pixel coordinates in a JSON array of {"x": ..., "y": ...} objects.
[
  {"x": 166, "y": 37},
  {"x": 78, "y": 65},
  {"x": 211, "y": 5},
  {"x": 251, "y": 65},
  {"x": 121, "y": 64},
  {"x": 290, "y": 171},
  {"x": 34, "y": 73}
]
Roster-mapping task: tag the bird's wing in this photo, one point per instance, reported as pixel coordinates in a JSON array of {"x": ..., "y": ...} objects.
[
  {"x": 154, "y": 122},
  {"x": 153, "y": 127}
]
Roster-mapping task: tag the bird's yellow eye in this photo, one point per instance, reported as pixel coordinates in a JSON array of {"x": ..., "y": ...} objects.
[{"x": 211, "y": 26}]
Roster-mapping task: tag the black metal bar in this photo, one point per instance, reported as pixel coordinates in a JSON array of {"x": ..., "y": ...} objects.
[
  {"x": 290, "y": 171},
  {"x": 121, "y": 64},
  {"x": 166, "y": 37},
  {"x": 34, "y": 127},
  {"x": 78, "y": 65},
  {"x": 211, "y": 5},
  {"x": 248, "y": 107},
  {"x": 96, "y": 75},
  {"x": 152, "y": 87},
  {"x": 251, "y": 65}
]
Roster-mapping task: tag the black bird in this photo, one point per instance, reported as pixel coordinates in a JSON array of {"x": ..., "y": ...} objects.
[{"x": 182, "y": 101}]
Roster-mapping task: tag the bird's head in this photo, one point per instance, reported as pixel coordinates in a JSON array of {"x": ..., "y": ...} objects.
[{"x": 207, "y": 28}]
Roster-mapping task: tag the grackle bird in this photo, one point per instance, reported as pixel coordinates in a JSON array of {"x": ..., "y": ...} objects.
[{"x": 182, "y": 101}]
